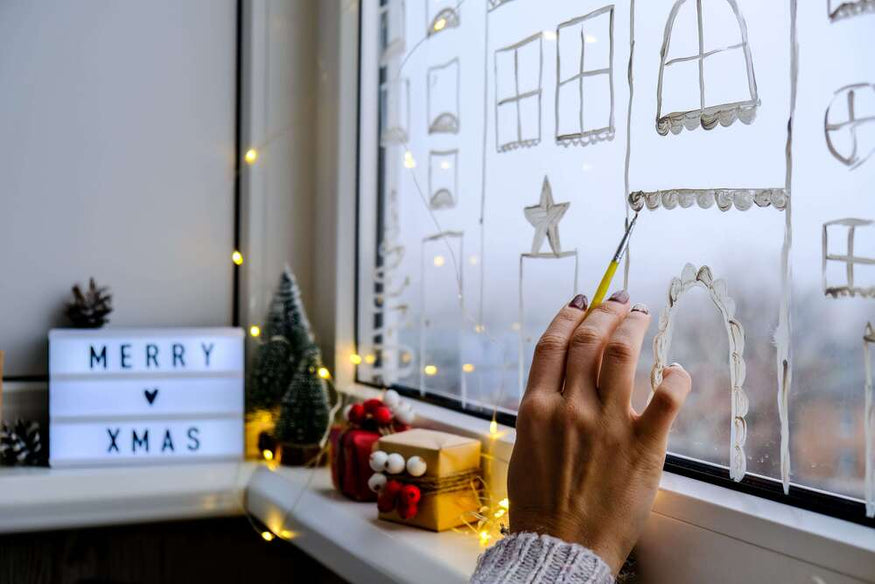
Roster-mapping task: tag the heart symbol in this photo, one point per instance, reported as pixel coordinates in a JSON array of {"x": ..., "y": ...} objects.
[{"x": 151, "y": 395}]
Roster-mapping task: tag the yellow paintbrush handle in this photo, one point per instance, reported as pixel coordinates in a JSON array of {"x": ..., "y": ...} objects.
[{"x": 604, "y": 286}]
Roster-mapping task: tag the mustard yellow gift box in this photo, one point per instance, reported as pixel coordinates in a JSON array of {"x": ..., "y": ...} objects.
[{"x": 446, "y": 456}]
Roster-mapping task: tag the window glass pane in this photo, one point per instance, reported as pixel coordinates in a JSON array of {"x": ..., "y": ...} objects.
[
  {"x": 726, "y": 78},
  {"x": 754, "y": 248},
  {"x": 596, "y": 102},
  {"x": 597, "y": 42},
  {"x": 718, "y": 31},
  {"x": 684, "y": 40}
]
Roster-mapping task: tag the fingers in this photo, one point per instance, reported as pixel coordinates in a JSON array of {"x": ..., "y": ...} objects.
[
  {"x": 620, "y": 359},
  {"x": 548, "y": 365},
  {"x": 665, "y": 404},
  {"x": 588, "y": 343}
]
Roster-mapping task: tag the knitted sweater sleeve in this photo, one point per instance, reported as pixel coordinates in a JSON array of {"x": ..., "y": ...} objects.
[{"x": 540, "y": 559}]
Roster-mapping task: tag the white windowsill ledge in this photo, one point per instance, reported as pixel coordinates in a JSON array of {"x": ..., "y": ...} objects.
[
  {"x": 302, "y": 505},
  {"x": 41, "y": 499}
]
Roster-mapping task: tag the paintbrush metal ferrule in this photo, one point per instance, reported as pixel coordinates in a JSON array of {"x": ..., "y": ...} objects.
[{"x": 624, "y": 243}]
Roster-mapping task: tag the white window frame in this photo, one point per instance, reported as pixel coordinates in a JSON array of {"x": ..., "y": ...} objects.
[{"x": 732, "y": 536}]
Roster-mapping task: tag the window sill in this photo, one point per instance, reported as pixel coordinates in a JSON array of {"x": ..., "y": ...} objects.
[
  {"x": 41, "y": 499},
  {"x": 302, "y": 506},
  {"x": 697, "y": 532}
]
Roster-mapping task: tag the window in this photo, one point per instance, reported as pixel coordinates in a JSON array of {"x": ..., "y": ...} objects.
[
  {"x": 848, "y": 267},
  {"x": 584, "y": 83},
  {"x": 443, "y": 98},
  {"x": 460, "y": 264},
  {"x": 518, "y": 72},
  {"x": 706, "y": 71},
  {"x": 849, "y": 124},
  {"x": 392, "y": 26}
]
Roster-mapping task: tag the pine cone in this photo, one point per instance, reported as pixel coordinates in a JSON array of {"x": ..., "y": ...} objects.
[
  {"x": 21, "y": 444},
  {"x": 89, "y": 310}
]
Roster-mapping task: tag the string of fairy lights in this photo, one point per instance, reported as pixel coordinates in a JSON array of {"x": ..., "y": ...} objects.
[
  {"x": 486, "y": 523},
  {"x": 475, "y": 322}
]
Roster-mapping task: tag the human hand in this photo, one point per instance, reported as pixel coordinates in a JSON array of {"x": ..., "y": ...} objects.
[{"x": 586, "y": 466}]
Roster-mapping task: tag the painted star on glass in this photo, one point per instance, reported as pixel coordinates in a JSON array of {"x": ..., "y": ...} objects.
[{"x": 545, "y": 217}]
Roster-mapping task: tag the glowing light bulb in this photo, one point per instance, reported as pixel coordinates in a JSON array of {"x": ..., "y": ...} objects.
[
  {"x": 355, "y": 359},
  {"x": 430, "y": 370},
  {"x": 590, "y": 39},
  {"x": 286, "y": 534},
  {"x": 267, "y": 454},
  {"x": 445, "y": 165},
  {"x": 440, "y": 24},
  {"x": 406, "y": 357},
  {"x": 468, "y": 367},
  {"x": 324, "y": 373},
  {"x": 370, "y": 359},
  {"x": 255, "y": 330},
  {"x": 473, "y": 260},
  {"x": 484, "y": 537},
  {"x": 549, "y": 35},
  {"x": 479, "y": 329},
  {"x": 439, "y": 260},
  {"x": 267, "y": 536},
  {"x": 504, "y": 504},
  {"x": 409, "y": 161},
  {"x": 251, "y": 156},
  {"x": 237, "y": 258},
  {"x": 493, "y": 427}
]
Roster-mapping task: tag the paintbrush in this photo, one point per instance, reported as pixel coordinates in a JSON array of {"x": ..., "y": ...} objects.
[{"x": 605, "y": 284}]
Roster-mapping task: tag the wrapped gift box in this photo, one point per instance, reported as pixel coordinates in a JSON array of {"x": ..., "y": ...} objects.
[
  {"x": 452, "y": 465},
  {"x": 350, "y": 469}
]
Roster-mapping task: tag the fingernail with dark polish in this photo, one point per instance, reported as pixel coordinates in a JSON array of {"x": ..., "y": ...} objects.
[
  {"x": 579, "y": 302},
  {"x": 641, "y": 308},
  {"x": 620, "y": 296}
]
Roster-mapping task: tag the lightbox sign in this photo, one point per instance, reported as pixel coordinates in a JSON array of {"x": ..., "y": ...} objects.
[{"x": 123, "y": 396}]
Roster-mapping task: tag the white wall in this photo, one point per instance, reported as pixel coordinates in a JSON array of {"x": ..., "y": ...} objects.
[{"x": 116, "y": 161}]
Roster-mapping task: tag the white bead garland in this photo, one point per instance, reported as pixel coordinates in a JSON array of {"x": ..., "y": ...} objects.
[
  {"x": 377, "y": 482},
  {"x": 377, "y": 460},
  {"x": 395, "y": 463},
  {"x": 416, "y": 466}
]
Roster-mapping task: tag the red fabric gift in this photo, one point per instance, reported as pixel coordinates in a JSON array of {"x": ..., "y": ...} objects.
[{"x": 350, "y": 461}]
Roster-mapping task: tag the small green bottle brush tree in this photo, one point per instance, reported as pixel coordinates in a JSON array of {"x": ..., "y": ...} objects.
[
  {"x": 303, "y": 415},
  {"x": 285, "y": 376}
]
